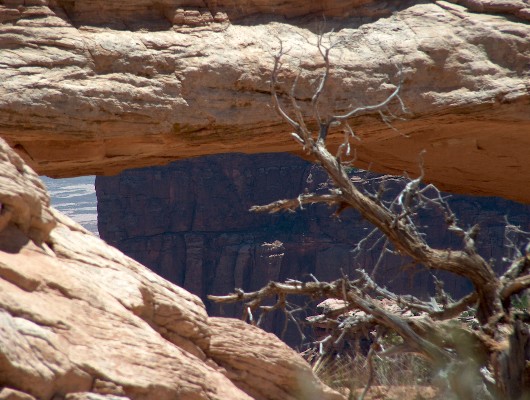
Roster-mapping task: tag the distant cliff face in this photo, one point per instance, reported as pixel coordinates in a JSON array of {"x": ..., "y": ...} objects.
[{"x": 190, "y": 223}]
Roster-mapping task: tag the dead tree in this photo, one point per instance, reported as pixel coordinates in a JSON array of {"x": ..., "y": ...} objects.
[{"x": 488, "y": 360}]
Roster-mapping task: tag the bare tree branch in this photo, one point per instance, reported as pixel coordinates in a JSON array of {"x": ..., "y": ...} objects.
[
  {"x": 293, "y": 204},
  {"x": 367, "y": 109},
  {"x": 273, "y": 82},
  {"x": 436, "y": 329},
  {"x": 455, "y": 309},
  {"x": 401, "y": 233},
  {"x": 515, "y": 286}
]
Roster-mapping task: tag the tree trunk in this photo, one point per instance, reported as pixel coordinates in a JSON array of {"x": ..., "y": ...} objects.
[{"x": 512, "y": 371}]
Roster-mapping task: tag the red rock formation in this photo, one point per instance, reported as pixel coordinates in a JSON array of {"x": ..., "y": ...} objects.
[
  {"x": 189, "y": 222},
  {"x": 93, "y": 87},
  {"x": 79, "y": 320}
]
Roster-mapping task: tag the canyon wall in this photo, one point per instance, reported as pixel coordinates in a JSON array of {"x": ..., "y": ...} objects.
[{"x": 190, "y": 222}]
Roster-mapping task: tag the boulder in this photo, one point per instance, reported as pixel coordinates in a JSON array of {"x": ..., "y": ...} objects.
[
  {"x": 267, "y": 370},
  {"x": 79, "y": 320}
]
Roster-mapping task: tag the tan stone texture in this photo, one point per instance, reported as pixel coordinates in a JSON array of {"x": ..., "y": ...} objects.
[
  {"x": 93, "y": 87},
  {"x": 267, "y": 370},
  {"x": 80, "y": 320}
]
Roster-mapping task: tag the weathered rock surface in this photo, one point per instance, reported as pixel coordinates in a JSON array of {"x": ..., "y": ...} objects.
[
  {"x": 81, "y": 321},
  {"x": 93, "y": 87},
  {"x": 263, "y": 363},
  {"x": 22, "y": 204},
  {"x": 189, "y": 222}
]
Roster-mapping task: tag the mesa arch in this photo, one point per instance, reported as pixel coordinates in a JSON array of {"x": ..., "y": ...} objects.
[{"x": 92, "y": 87}]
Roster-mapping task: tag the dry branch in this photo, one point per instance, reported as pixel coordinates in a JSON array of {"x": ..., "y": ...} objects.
[
  {"x": 448, "y": 343},
  {"x": 293, "y": 204},
  {"x": 403, "y": 235}
]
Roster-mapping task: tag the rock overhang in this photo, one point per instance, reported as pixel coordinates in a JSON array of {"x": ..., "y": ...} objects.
[{"x": 88, "y": 89}]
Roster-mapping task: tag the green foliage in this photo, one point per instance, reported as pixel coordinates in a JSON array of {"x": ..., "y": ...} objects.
[{"x": 520, "y": 303}]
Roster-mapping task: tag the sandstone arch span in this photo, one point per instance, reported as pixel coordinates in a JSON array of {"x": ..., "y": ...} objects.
[{"x": 91, "y": 87}]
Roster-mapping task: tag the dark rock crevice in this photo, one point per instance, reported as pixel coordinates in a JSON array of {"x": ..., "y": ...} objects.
[{"x": 190, "y": 223}]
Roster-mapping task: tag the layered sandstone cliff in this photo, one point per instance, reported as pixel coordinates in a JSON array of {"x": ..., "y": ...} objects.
[
  {"x": 93, "y": 87},
  {"x": 79, "y": 320},
  {"x": 189, "y": 222}
]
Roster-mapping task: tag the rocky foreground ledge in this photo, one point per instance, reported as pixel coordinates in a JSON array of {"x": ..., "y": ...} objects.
[
  {"x": 79, "y": 320},
  {"x": 97, "y": 86}
]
